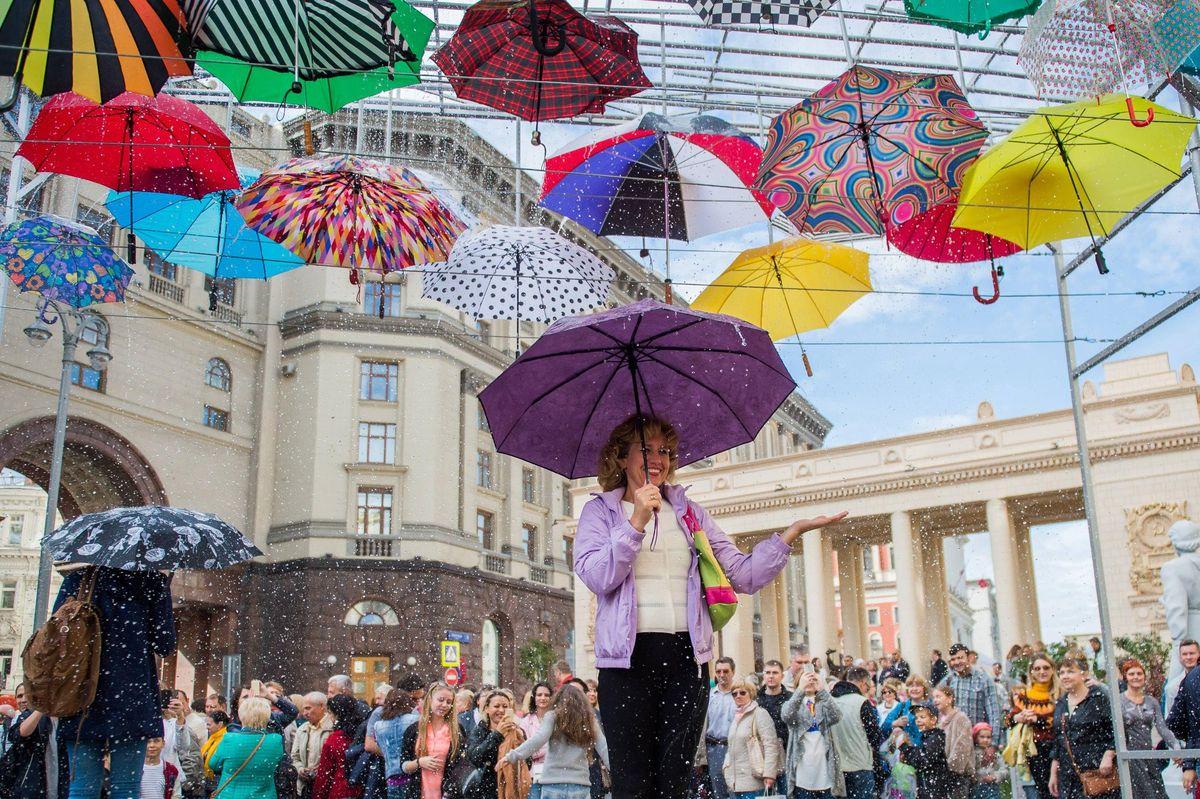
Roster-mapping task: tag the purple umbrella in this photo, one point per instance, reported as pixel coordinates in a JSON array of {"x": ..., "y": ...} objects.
[{"x": 716, "y": 379}]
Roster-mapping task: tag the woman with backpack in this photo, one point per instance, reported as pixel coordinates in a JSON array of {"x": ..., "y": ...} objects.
[{"x": 568, "y": 732}]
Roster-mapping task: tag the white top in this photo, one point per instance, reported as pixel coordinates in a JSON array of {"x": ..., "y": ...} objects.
[
  {"x": 660, "y": 575},
  {"x": 154, "y": 781},
  {"x": 812, "y": 767}
]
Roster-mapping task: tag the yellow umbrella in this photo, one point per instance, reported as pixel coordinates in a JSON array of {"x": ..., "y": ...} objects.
[
  {"x": 1073, "y": 170},
  {"x": 789, "y": 287}
]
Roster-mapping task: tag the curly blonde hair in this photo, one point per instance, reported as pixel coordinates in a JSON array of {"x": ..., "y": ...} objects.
[{"x": 609, "y": 472}]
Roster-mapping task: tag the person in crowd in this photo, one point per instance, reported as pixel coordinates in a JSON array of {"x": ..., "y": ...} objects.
[
  {"x": 1185, "y": 723},
  {"x": 811, "y": 761},
  {"x": 1034, "y": 706},
  {"x": 889, "y": 697},
  {"x": 593, "y": 695},
  {"x": 633, "y": 552},
  {"x": 597, "y": 772},
  {"x": 872, "y": 667},
  {"x": 856, "y": 735},
  {"x": 1143, "y": 718},
  {"x": 386, "y": 738},
  {"x": 1095, "y": 654},
  {"x": 903, "y": 716},
  {"x": 973, "y": 690},
  {"x": 771, "y": 698},
  {"x": 180, "y": 748},
  {"x": 367, "y": 763},
  {"x": 752, "y": 759},
  {"x": 25, "y": 761},
  {"x": 1083, "y": 732},
  {"x": 218, "y": 725},
  {"x": 535, "y": 711},
  {"x": 721, "y": 709},
  {"x": 343, "y": 685},
  {"x": 1189, "y": 656},
  {"x": 331, "y": 780},
  {"x": 136, "y": 624},
  {"x": 560, "y": 673},
  {"x": 310, "y": 739},
  {"x": 246, "y": 757},
  {"x": 569, "y": 733},
  {"x": 158, "y": 776},
  {"x": 960, "y": 748},
  {"x": 464, "y": 701},
  {"x": 215, "y": 702},
  {"x": 903, "y": 670},
  {"x": 432, "y": 747},
  {"x": 196, "y": 720},
  {"x": 800, "y": 663},
  {"x": 470, "y": 719},
  {"x": 938, "y": 668},
  {"x": 1002, "y": 685},
  {"x": 990, "y": 771},
  {"x": 494, "y": 736},
  {"x": 928, "y": 757}
]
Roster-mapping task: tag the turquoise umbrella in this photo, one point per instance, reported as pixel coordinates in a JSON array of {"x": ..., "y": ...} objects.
[
  {"x": 1177, "y": 29},
  {"x": 208, "y": 234}
]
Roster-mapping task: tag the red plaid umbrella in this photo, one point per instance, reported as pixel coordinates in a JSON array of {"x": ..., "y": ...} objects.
[{"x": 541, "y": 59}]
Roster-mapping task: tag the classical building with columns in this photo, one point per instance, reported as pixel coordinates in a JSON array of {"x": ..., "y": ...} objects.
[{"x": 995, "y": 475}]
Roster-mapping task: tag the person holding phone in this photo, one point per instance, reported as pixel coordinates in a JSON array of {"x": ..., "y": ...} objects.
[
  {"x": 497, "y": 730},
  {"x": 811, "y": 762}
]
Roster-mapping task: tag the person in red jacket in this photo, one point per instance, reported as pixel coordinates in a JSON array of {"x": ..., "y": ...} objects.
[{"x": 331, "y": 778}]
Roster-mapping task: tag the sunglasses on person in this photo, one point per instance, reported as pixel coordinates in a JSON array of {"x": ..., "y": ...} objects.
[{"x": 739, "y": 692}]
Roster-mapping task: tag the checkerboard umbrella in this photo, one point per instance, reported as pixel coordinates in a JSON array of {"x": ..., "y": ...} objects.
[
  {"x": 764, "y": 13},
  {"x": 541, "y": 59}
]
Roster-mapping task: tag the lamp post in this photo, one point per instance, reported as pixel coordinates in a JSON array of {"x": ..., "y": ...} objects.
[{"x": 74, "y": 324}]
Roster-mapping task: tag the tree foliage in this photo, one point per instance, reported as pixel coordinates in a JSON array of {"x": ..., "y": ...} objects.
[{"x": 534, "y": 660}]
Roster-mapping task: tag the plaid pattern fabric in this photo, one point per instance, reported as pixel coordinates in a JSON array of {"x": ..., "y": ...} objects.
[
  {"x": 491, "y": 60},
  {"x": 975, "y": 695},
  {"x": 765, "y": 13}
]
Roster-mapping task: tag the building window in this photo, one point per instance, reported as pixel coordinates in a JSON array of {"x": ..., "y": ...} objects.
[
  {"x": 374, "y": 511},
  {"x": 85, "y": 376},
  {"x": 6, "y": 664},
  {"x": 378, "y": 381},
  {"x": 239, "y": 126},
  {"x": 371, "y": 613},
  {"x": 157, "y": 266},
  {"x": 224, "y": 289},
  {"x": 567, "y": 510},
  {"x": 569, "y": 552},
  {"x": 92, "y": 331},
  {"x": 216, "y": 418},
  {"x": 484, "y": 331},
  {"x": 875, "y": 642},
  {"x": 485, "y": 529},
  {"x": 869, "y": 562},
  {"x": 895, "y": 614},
  {"x": 483, "y": 469},
  {"x": 529, "y": 540},
  {"x": 528, "y": 485},
  {"x": 376, "y": 442},
  {"x": 16, "y": 527},
  {"x": 8, "y": 594},
  {"x": 95, "y": 218},
  {"x": 490, "y": 647},
  {"x": 873, "y": 617},
  {"x": 481, "y": 422},
  {"x": 218, "y": 375},
  {"x": 385, "y": 295}
]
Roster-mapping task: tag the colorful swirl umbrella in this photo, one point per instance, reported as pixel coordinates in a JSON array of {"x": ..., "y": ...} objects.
[
  {"x": 352, "y": 212},
  {"x": 838, "y": 161},
  {"x": 63, "y": 262},
  {"x": 95, "y": 49},
  {"x": 969, "y": 16}
]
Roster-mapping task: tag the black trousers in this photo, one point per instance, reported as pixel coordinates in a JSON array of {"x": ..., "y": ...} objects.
[{"x": 653, "y": 715}]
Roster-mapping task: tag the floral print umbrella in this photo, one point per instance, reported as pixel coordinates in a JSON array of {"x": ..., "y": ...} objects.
[
  {"x": 352, "y": 212},
  {"x": 63, "y": 262},
  {"x": 150, "y": 538}
]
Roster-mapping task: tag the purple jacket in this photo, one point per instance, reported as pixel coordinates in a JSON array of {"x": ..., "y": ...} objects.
[{"x": 606, "y": 545}]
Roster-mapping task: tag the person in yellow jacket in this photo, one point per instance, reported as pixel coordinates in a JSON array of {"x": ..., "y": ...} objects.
[{"x": 218, "y": 722}]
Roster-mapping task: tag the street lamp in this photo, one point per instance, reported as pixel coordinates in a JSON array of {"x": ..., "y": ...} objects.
[{"x": 74, "y": 324}]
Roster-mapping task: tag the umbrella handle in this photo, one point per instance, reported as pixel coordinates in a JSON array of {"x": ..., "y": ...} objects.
[
  {"x": 1133, "y": 120},
  {"x": 537, "y": 36},
  {"x": 982, "y": 300}
]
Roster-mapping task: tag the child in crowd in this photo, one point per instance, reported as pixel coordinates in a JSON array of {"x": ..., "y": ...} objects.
[
  {"x": 158, "y": 776},
  {"x": 990, "y": 770},
  {"x": 928, "y": 758}
]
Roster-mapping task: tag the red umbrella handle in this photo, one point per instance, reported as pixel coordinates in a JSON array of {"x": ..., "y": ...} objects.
[
  {"x": 1133, "y": 120},
  {"x": 982, "y": 300},
  {"x": 537, "y": 34}
]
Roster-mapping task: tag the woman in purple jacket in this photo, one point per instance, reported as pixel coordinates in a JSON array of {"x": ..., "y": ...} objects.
[{"x": 653, "y": 637}]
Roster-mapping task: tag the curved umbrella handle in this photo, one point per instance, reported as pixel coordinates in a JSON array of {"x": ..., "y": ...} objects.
[
  {"x": 536, "y": 33},
  {"x": 982, "y": 300},
  {"x": 1133, "y": 120}
]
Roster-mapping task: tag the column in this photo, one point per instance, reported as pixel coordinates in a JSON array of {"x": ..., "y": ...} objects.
[
  {"x": 937, "y": 601},
  {"x": 774, "y": 620},
  {"x": 1031, "y": 619},
  {"x": 1008, "y": 610},
  {"x": 818, "y": 594},
  {"x": 849, "y": 571},
  {"x": 910, "y": 599},
  {"x": 736, "y": 639}
]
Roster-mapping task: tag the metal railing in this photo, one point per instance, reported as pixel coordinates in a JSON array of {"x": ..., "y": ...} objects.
[{"x": 226, "y": 314}]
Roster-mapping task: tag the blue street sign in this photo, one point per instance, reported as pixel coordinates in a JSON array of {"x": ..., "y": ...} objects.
[{"x": 461, "y": 637}]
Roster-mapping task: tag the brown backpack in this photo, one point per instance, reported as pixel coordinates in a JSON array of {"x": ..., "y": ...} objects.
[{"x": 62, "y": 659}]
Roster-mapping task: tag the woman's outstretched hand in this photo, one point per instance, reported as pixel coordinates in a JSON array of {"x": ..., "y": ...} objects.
[{"x": 801, "y": 526}]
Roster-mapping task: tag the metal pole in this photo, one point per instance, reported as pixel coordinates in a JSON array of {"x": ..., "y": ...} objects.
[
  {"x": 1089, "y": 510},
  {"x": 517, "y": 179},
  {"x": 16, "y": 175}
]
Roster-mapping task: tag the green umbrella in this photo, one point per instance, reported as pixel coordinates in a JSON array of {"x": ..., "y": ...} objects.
[
  {"x": 310, "y": 61},
  {"x": 969, "y": 16}
]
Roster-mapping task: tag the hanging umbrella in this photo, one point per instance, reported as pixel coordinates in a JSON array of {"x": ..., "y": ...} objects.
[
  {"x": 63, "y": 261},
  {"x": 95, "y": 49},
  {"x": 1175, "y": 26},
  {"x": 317, "y": 55},
  {"x": 208, "y": 235},
  {"x": 519, "y": 273},
  {"x": 789, "y": 287},
  {"x": 837, "y": 161},
  {"x": 765, "y": 13},
  {"x": 150, "y": 538},
  {"x": 1072, "y": 170},
  {"x": 969, "y": 16},
  {"x": 1084, "y": 48},
  {"x": 349, "y": 211},
  {"x": 541, "y": 59},
  {"x": 716, "y": 379}
]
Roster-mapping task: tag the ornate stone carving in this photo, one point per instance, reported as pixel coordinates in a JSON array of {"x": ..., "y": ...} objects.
[
  {"x": 1143, "y": 413},
  {"x": 1149, "y": 547},
  {"x": 987, "y": 441},
  {"x": 891, "y": 457},
  {"x": 985, "y": 412}
]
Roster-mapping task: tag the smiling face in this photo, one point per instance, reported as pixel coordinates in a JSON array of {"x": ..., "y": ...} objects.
[
  {"x": 1071, "y": 676},
  {"x": 541, "y": 698},
  {"x": 942, "y": 701},
  {"x": 916, "y": 692},
  {"x": 1041, "y": 671},
  {"x": 1135, "y": 677},
  {"x": 960, "y": 662},
  {"x": 497, "y": 708},
  {"x": 658, "y": 458},
  {"x": 926, "y": 721},
  {"x": 441, "y": 703},
  {"x": 1189, "y": 656}
]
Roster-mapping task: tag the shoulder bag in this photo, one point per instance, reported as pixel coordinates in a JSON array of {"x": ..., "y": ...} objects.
[
  {"x": 718, "y": 592},
  {"x": 1094, "y": 783},
  {"x": 238, "y": 770}
]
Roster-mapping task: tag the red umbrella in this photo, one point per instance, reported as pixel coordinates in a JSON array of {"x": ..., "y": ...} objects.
[
  {"x": 132, "y": 143},
  {"x": 541, "y": 59}
]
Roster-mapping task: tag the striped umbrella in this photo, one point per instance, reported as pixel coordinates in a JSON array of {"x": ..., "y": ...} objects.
[
  {"x": 95, "y": 49},
  {"x": 352, "y": 212}
]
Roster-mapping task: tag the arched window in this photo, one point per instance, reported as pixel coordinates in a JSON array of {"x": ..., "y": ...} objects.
[
  {"x": 876, "y": 645},
  {"x": 491, "y": 653},
  {"x": 371, "y": 613},
  {"x": 218, "y": 375}
]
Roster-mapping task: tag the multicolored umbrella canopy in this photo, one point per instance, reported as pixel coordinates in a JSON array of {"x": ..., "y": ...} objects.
[
  {"x": 717, "y": 380},
  {"x": 208, "y": 235},
  {"x": 132, "y": 143},
  {"x": 563, "y": 65},
  {"x": 931, "y": 236},
  {"x": 96, "y": 49},
  {"x": 969, "y": 16},
  {"x": 765, "y": 13},
  {"x": 352, "y": 212},
  {"x": 63, "y": 261},
  {"x": 873, "y": 138},
  {"x": 319, "y": 55},
  {"x": 1072, "y": 170},
  {"x": 658, "y": 177},
  {"x": 1084, "y": 48},
  {"x": 531, "y": 273}
]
